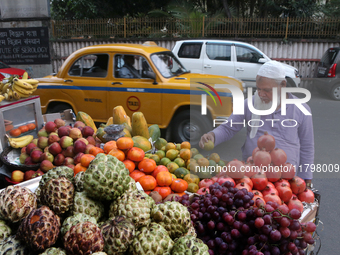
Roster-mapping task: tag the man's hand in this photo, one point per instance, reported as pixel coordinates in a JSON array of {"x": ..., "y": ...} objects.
[
  {"x": 207, "y": 137},
  {"x": 308, "y": 183}
]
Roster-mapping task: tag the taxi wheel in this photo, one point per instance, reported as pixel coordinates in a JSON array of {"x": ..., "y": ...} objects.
[
  {"x": 56, "y": 108},
  {"x": 190, "y": 126}
]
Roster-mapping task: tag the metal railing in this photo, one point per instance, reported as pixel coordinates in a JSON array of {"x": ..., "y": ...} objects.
[{"x": 205, "y": 27}]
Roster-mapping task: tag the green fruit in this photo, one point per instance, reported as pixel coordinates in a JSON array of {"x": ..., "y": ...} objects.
[
  {"x": 172, "y": 166},
  {"x": 221, "y": 163},
  {"x": 54, "y": 251},
  {"x": 190, "y": 245},
  {"x": 154, "y": 132},
  {"x": 141, "y": 142},
  {"x": 212, "y": 162},
  {"x": 55, "y": 173},
  {"x": 181, "y": 172},
  {"x": 106, "y": 178},
  {"x": 192, "y": 187},
  {"x": 194, "y": 151},
  {"x": 155, "y": 158},
  {"x": 180, "y": 162},
  {"x": 74, "y": 220},
  {"x": 214, "y": 156},
  {"x": 164, "y": 161},
  {"x": 208, "y": 146},
  {"x": 198, "y": 156},
  {"x": 160, "y": 154},
  {"x": 5, "y": 230},
  {"x": 160, "y": 143},
  {"x": 84, "y": 204},
  {"x": 171, "y": 154}
]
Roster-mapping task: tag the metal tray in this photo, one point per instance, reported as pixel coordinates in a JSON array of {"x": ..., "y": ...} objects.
[{"x": 30, "y": 184}]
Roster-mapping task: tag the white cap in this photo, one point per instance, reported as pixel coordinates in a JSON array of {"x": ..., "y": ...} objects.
[{"x": 272, "y": 70}]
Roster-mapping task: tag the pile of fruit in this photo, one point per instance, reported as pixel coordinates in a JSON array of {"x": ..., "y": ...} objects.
[
  {"x": 99, "y": 211},
  {"x": 13, "y": 88}
]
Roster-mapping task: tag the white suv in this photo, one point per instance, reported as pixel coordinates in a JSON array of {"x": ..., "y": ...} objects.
[{"x": 228, "y": 58}]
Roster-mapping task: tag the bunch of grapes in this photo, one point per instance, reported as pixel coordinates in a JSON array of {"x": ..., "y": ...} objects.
[{"x": 229, "y": 222}]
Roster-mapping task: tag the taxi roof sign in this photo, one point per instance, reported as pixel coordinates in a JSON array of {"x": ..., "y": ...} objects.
[{"x": 150, "y": 43}]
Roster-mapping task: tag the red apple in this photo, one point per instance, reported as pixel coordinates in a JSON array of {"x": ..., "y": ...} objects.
[
  {"x": 84, "y": 140},
  {"x": 30, "y": 147},
  {"x": 59, "y": 160},
  {"x": 38, "y": 173},
  {"x": 54, "y": 148},
  {"x": 23, "y": 157},
  {"x": 65, "y": 142},
  {"x": 205, "y": 183},
  {"x": 53, "y": 138},
  {"x": 79, "y": 123},
  {"x": 28, "y": 175},
  {"x": 91, "y": 140},
  {"x": 46, "y": 165},
  {"x": 68, "y": 152},
  {"x": 35, "y": 155},
  {"x": 77, "y": 158},
  {"x": 28, "y": 161},
  {"x": 70, "y": 166},
  {"x": 42, "y": 142},
  {"x": 46, "y": 156},
  {"x": 42, "y": 132},
  {"x": 79, "y": 146},
  {"x": 87, "y": 131},
  {"x": 59, "y": 122},
  {"x": 75, "y": 133},
  {"x": 23, "y": 150},
  {"x": 63, "y": 131},
  {"x": 50, "y": 127},
  {"x": 68, "y": 161}
]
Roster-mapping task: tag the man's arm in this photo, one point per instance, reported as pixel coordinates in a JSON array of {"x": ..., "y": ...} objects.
[
  {"x": 306, "y": 136},
  {"x": 125, "y": 73}
]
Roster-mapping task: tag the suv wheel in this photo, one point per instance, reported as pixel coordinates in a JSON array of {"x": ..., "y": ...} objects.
[
  {"x": 335, "y": 93},
  {"x": 190, "y": 126}
]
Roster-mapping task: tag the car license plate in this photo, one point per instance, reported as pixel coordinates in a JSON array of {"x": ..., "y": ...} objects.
[{"x": 322, "y": 71}]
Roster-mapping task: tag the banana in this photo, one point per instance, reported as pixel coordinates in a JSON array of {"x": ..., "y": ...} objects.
[
  {"x": 2, "y": 97},
  {"x": 6, "y": 96},
  {"x": 30, "y": 81},
  {"x": 25, "y": 75},
  {"x": 20, "y": 142},
  {"x": 22, "y": 84},
  {"x": 20, "y": 94},
  {"x": 16, "y": 95},
  {"x": 21, "y": 90},
  {"x": 10, "y": 94},
  {"x": 5, "y": 87}
]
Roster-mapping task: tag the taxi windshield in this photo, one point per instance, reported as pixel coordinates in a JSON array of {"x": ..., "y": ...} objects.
[{"x": 167, "y": 64}]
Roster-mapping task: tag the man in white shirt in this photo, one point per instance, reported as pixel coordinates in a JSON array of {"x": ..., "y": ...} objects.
[{"x": 128, "y": 70}]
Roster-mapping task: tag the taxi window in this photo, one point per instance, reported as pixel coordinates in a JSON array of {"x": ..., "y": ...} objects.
[
  {"x": 93, "y": 65},
  {"x": 131, "y": 66}
]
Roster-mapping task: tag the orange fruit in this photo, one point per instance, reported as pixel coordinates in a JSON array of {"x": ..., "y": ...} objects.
[
  {"x": 164, "y": 179},
  {"x": 136, "y": 174},
  {"x": 135, "y": 154},
  {"x": 109, "y": 146},
  {"x": 159, "y": 169},
  {"x": 23, "y": 128},
  {"x": 163, "y": 191},
  {"x": 179, "y": 185},
  {"x": 15, "y": 132},
  {"x": 130, "y": 165},
  {"x": 124, "y": 143},
  {"x": 147, "y": 165},
  {"x": 96, "y": 150},
  {"x": 86, "y": 159},
  {"x": 148, "y": 182},
  {"x": 119, "y": 154},
  {"x": 185, "y": 154},
  {"x": 31, "y": 126},
  {"x": 79, "y": 168},
  {"x": 185, "y": 145}
]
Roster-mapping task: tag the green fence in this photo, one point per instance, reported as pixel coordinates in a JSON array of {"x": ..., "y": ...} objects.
[{"x": 205, "y": 27}]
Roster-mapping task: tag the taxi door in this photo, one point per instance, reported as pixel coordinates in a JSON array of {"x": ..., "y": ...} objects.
[
  {"x": 85, "y": 84},
  {"x": 131, "y": 89}
]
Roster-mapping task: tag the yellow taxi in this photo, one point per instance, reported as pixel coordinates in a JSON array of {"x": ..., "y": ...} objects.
[{"x": 144, "y": 78}]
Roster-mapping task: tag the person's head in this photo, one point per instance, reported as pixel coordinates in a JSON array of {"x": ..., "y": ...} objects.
[
  {"x": 129, "y": 59},
  {"x": 270, "y": 75}
]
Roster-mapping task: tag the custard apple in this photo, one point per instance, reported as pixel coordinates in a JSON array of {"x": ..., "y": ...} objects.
[
  {"x": 135, "y": 206},
  {"x": 40, "y": 229},
  {"x": 37, "y": 194},
  {"x": 83, "y": 204},
  {"x": 189, "y": 245},
  {"x": 106, "y": 178},
  {"x": 12, "y": 246},
  {"x": 83, "y": 238},
  {"x": 16, "y": 203},
  {"x": 74, "y": 220},
  {"x": 153, "y": 240},
  {"x": 191, "y": 231},
  {"x": 173, "y": 216},
  {"x": 54, "y": 251},
  {"x": 5, "y": 230},
  {"x": 132, "y": 185},
  {"x": 55, "y": 173},
  {"x": 117, "y": 233},
  {"x": 57, "y": 194},
  {"x": 79, "y": 181}
]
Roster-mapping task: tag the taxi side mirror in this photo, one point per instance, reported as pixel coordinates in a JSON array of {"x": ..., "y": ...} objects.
[{"x": 151, "y": 75}]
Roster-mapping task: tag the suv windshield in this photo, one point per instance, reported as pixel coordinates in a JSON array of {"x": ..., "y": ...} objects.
[
  {"x": 329, "y": 57},
  {"x": 3, "y": 65},
  {"x": 167, "y": 64}
]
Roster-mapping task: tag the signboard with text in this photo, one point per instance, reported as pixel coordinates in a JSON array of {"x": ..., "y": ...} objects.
[
  {"x": 16, "y": 9},
  {"x": 26, "y": 45}
]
